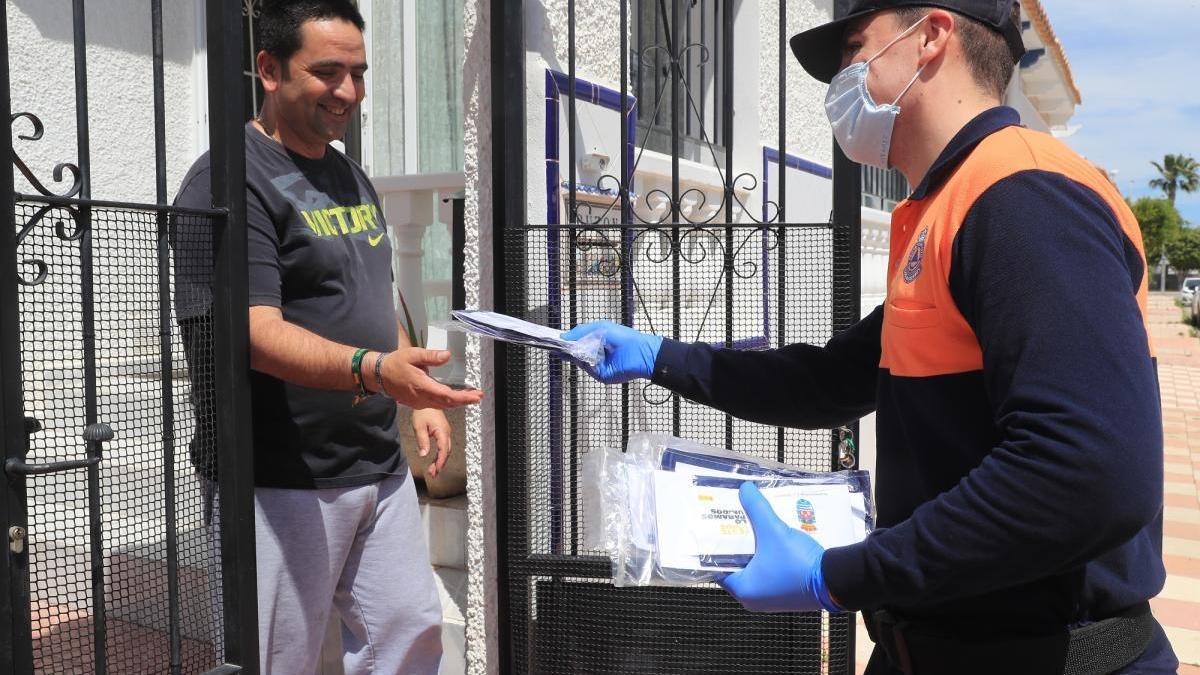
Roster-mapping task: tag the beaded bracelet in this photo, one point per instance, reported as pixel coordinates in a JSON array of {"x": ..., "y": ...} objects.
[
  {"x": 379, "y": 373},
  {"x": 356, "y": 371}
]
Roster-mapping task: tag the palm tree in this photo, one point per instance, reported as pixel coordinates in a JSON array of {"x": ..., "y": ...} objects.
[{"x": 1177, "y": 173}]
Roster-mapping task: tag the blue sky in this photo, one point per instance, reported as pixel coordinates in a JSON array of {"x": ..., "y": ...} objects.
[{"x": 1137, "y": 65}]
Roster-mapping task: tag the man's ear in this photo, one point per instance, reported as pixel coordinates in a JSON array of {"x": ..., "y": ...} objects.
[
  {"x": 270, "y": 70},
  {"x": 935, "y": 34}
]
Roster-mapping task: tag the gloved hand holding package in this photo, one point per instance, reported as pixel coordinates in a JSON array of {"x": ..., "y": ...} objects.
[{"x": 673, "y": 515}]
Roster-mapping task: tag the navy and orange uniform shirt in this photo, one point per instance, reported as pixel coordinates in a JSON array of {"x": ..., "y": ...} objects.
[{"x": 1019, "y": 470}]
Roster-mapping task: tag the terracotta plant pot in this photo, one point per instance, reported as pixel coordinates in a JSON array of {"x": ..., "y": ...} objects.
[{"x": 452, "y": 480}]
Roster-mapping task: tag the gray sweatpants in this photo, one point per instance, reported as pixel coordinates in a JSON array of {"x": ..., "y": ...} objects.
[{"x": 360, "y": 551}]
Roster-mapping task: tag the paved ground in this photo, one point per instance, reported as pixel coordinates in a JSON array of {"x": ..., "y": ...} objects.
[{"x": 1178, "y": 606}]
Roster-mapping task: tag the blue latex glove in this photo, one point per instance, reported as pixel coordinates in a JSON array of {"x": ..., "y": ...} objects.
[
  {"x": 785, "y": 573},
  {"x": 628, "y": 354}
]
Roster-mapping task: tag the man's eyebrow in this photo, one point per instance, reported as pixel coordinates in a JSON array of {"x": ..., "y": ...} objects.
[{"x": 334, "y": 63}]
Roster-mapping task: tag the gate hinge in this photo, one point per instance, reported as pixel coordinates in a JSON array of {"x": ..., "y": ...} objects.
[{"x": 16, "y": 539}]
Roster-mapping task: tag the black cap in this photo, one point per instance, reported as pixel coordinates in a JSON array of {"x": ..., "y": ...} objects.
[{"x": 819, "y": 49}]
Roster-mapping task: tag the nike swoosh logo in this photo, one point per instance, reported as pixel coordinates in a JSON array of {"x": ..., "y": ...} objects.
[{"x": 374, "y": 241}]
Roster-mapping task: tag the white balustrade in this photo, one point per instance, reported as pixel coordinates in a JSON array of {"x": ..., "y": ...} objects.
[
  {"x": 876, "y": 234},
  {"x": 410, "y": 203}
]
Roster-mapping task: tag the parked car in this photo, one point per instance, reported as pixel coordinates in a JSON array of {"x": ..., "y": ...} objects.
[{"x": 1188, "y": 288}]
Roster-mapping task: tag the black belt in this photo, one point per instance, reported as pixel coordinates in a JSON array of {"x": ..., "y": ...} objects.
[{"x": 917, "y": 648}]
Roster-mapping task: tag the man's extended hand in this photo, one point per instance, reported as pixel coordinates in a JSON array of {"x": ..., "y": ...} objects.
[
  {"x": 406, "y": 379},
  {"x": 628, "y": 354},
  {"x": 785, "y": 573},
  {"x": 431, "y": 426}
]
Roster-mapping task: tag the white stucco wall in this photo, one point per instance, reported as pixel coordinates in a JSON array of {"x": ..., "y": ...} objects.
[
  {"x": 120, "y": 91},
  {"x": 482, "y": 596},
  {"x": 807, "y": 133}
]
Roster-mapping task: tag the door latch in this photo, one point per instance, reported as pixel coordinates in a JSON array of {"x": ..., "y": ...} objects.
[
  {"x": 16, "y": 539},
  {"x": 847, "y": 452}
]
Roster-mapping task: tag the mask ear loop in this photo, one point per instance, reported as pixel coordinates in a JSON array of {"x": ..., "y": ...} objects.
[
  {"x": 896, "y": 39},
  {"x": 909, "y": 85}
]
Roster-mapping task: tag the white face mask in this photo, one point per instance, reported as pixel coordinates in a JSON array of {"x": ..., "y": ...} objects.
[{"x": 862, "y": 127}]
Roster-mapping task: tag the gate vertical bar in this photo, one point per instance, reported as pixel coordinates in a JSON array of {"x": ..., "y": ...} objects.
[
  {"x": 671, "y": 25},
  {"x": 781, "y": 200},
  {"x": 847, "y": 246},
  {"x": 626, "y": 181},
  {"x": 727, "y": 134},
  {"x": 511, "y": 420},
  {"x": 88, "y": 326},
  {"x": 235, "y": 459},
  {"x": 164, "y": 341},
  {"x": 847, "y": 263},
  {"x": 16, "y": 639},
  {"x": 573, "y": 271}
]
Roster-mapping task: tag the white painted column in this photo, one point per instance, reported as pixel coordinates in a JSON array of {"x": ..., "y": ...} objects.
[{"x": 408, "y": 213}]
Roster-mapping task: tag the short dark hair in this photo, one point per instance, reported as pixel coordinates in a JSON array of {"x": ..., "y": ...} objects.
[
  {"x": 277, "y": 28},
  {"x": 987, "y": 52}
]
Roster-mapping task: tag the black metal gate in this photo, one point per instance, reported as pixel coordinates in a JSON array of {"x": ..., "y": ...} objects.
[
  {"x": 111, "y": 562},
  {"x": 728, "y": 275}
]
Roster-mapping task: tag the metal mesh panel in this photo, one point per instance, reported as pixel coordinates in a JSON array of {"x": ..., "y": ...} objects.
[
  {"x": 148, "y": 403},
  {"x": 750, "y": 287}
]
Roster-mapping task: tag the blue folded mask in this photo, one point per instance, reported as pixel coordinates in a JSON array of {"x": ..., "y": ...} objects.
[{"x": 862, "y": 127}]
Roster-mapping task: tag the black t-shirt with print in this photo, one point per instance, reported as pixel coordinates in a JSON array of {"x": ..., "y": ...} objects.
[{"x": 317, "y": 249}]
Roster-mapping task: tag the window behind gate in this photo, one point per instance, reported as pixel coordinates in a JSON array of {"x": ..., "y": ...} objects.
[
  {"x": 701, "y": 41},
  {"x": 883, "y": 189}
]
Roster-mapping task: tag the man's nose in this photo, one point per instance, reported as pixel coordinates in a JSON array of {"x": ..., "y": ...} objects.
[{"x": 346, "y": 91}]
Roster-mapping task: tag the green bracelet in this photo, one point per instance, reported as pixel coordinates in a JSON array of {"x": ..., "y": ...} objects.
[{"x": 356, "y": 371}]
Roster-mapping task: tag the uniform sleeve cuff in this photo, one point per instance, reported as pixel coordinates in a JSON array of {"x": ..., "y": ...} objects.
[
  {"x": 670, "y": 366},
  {"x": 844, "y": 569}
]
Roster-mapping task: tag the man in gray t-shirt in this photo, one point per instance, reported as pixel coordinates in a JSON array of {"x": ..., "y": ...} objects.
[{"x": 337, "y": 525}]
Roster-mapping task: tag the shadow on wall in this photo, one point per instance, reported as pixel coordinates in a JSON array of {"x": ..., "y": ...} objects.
[{"x": 108, "y": 25}]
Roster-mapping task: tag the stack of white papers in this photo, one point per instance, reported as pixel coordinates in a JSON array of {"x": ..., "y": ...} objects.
[{"x": 510, "y": 329}]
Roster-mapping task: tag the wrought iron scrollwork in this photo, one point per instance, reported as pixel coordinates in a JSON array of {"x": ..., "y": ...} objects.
[
  {"x": 40, "y": 269},
  {"x": 36, "y": 135},
  {"x": 690, "y": 244}
]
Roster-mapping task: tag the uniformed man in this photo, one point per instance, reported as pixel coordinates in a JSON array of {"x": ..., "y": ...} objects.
[{"x": 1019, "y": 481}]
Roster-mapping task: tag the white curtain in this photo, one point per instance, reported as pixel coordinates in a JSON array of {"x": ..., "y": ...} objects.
[
  {"x": 387, "y": 87},
  {"x": 440, "y": 54},
  {"x": 437, "y": 91}
]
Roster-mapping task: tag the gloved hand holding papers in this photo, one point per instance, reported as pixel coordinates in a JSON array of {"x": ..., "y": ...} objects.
[
  {"x": 672, "y": 515},
  {"x": 510, "y": 329}
]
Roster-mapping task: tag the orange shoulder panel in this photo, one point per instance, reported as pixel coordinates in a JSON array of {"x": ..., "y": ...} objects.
[{"x": 923, "y": 332}]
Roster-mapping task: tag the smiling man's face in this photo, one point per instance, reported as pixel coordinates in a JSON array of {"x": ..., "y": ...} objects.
[{"x": 321, "y": 85}]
